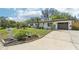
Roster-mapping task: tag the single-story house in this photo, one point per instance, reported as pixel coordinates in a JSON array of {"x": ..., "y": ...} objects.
[{"x": 56, "y": 24}]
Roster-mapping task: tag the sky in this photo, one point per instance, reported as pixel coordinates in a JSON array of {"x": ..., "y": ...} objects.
[{"x": 19, "y": 14}]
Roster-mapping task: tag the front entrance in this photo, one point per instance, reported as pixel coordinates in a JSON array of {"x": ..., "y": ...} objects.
[{"x": 63, "y": 26}]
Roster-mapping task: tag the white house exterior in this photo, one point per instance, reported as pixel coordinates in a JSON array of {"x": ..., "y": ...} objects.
[{"x": 56, "y": 25}]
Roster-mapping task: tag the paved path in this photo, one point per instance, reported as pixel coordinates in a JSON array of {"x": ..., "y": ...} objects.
[{"x": 56, "y": 40}]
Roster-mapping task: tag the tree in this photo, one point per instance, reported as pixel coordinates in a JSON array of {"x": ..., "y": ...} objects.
[
  {"x": 63, "y": 15},
  {"x": 46, "y": 13},
  {"x": 11, "y": 23},
  {"x": 55, "y": 14},
  {"x": 33, "y": 20},
  {"x": 29, "y": 20},
  {"x": 53, "y": 11},
  {"x": 37, "y": 20},
  {"x": 3, "y": 22},
  {"x": 17, "y": 25},
  {"x": 23, "y": 25},
  {"x": 49, "y": 12}
]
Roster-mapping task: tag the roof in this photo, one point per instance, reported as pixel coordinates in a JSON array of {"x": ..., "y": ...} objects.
[{"x": 49, "y": 21}]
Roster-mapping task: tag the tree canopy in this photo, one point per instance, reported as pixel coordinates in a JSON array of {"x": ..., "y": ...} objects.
[{"x": 55, "y": 14}]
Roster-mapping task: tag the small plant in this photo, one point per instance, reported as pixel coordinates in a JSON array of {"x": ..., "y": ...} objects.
[
  {"x": 35, "y": 36},
  {"x": 20, "y": 34}
]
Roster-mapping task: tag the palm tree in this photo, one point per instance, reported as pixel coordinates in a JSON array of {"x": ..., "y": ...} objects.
[{"x": 46, "y": 13}]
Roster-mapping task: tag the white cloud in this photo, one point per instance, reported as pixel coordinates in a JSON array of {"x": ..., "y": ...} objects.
[
  {"x": 32, "y": 13},
  {"x": 28, "y": 13},
  {"x": 13, "y": 18},
  {"x": 10, "y": 18},
  {"x": 72, "y": 11}
]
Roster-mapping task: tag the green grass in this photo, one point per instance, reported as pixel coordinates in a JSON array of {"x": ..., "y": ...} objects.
[{"x": 39, "y": 32}]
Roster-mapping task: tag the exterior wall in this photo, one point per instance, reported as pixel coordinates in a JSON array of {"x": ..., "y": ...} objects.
[
  {"x": 29, "y": 25},
  {"x": 34, "y": 25},
  {"x": 46, "y": 26},
  {"x": 55, "y": 27},
  {"x": 41, "y": 25},
  {"x": 70, "y": 25}
]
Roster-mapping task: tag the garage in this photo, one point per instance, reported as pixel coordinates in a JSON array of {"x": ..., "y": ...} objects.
[{"x": 63, "y": 26}]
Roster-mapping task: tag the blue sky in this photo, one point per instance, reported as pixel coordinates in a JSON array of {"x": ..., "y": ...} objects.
[
  {"x": 6, "y": 12},
  {"x": 22, "y": 13}
]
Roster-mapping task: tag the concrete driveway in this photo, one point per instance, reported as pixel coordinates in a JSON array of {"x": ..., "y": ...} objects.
[{"x": 56, "y": 40}]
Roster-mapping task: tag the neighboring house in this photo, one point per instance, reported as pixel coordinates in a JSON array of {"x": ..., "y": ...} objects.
[{"x": 56, "y": 24}]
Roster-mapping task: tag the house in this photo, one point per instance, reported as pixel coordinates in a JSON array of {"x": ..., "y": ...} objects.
[{"x": 56, "y": 24}]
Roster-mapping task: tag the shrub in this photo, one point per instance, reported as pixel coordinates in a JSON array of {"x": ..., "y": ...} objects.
[
  {"x": 20, "y": 34},
  {"x": 1, "y": 28},
  {"x": 3, "y": 34},
  {"x": 75, "y": 25},
  {"x": 75, "y": 28},
  {"x": 35, "y": 36}
]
